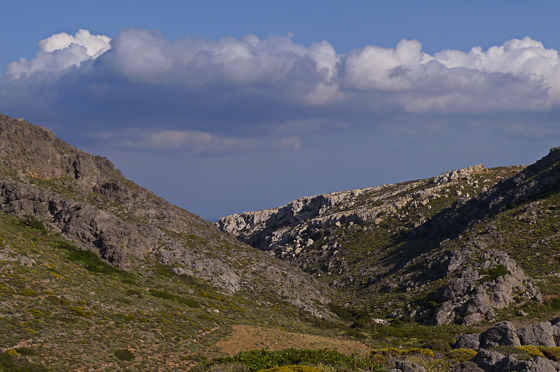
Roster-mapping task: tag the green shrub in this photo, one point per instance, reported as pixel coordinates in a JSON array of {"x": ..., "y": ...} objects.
[
  {"x": 10, "y": 362},
  {"x": 25, "y": 351},
  {"x": 296, "y": 368},
  {"x": 554, "y": 303},
  {"x": 552, "y": 353},
  {"x": 124, "y": 354},
  {"x": 90, "y": 261},
  {"x": 494, "y": 273},
  {"x": 78, "y": 310},
  {"x": 29, "y": 292},
  {"x": 257, "y": 360},
  {"x": 169, "y": 296},
  {"x": 438, "y": 344},
  {"x": 33, "y": 223},
  {"x": 342, "y": 312},
  {"x": 461, "y": 355}
]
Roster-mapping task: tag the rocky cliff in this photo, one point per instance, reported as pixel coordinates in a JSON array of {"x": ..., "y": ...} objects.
[
  {"x": 461, "y": 247},
  {"x": 88, "y": 201}
]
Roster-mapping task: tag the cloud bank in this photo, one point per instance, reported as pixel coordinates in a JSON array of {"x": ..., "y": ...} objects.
[{"x": 242, "y": 94}]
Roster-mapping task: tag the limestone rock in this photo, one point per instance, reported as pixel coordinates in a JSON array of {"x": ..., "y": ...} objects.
[
  {"x": 466, "y": 367},
  {"x": 501, "y": 334},
  {"x": 474, "y": 299},
  {"x": 540, "y": 334},
  {"x": 468, "y": 341},
  {"x": 487, "y": 359},
  {"x": 538, "y": 364},
  {"x": 408, "y": 366}
]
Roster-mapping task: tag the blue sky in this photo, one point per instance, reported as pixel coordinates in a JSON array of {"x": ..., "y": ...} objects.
[{"x": 230, "y": 106}]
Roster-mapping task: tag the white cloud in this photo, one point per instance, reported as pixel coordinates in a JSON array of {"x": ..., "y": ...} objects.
[
  {"x": 382, "y": 68},
  {"x": 197, "y": 142},
  {"x": 60, "y": 52},
  {"x": 146, "y": 56},
  {"x": 257, "y": 88},
  {"x": 520, "y": 74},
  {"x": 95, "y": 44}
]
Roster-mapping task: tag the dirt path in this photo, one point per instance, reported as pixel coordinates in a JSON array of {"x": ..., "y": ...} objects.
[{"x": 246, "y": 337}]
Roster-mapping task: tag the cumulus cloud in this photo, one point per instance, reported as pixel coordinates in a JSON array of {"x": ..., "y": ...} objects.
[
  {"x": 60, "y": 52},
  {"x": 520, "y": 74},
  {"x": 145, "y": 56},
  {"x": 266, "y": 91}
]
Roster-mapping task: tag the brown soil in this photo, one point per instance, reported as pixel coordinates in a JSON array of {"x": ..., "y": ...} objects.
[{"x": 245, "y": 337}]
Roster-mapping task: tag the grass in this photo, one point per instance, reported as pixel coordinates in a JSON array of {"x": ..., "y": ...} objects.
[
  {"x": 71, "y": 300},
  {"x": 107, "y": 318},
  {"x": 256, "y": 360}
]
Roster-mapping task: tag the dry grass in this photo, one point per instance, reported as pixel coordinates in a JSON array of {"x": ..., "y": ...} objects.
[{"x": 246, "y": 337}]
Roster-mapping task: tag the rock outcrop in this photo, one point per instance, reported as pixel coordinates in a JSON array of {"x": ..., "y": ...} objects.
[
  {"x": 89, "y": 202},
  {"x": 506, "y": 334},
  {"x": 335, "y": 236},
  {"x": 491, "y": 282},
  {"x": 285, "y": 229}
]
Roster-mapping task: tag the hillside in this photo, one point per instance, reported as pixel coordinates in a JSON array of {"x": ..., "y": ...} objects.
[
  {"x": 89, "y": 202},
  {"x": 98, "y": 273},
  {"x": 465, "y": 247},
  {"x": 83, "y": 248}
]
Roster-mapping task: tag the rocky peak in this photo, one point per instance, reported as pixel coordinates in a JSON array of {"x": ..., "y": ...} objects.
[
  {"x": 85, "y": 199},
  {"x": 32, "y": 150}
]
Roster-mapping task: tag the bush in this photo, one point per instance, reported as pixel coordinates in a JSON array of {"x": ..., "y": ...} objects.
[
  {"x": 295, "y": 368},
  {"x": 9, "y": 362},
  {"x": 461, "y": 355},
  {"x": 25, "y": 351},
  {"x": 555, "y": 303},
  {"x": 33, "y": 223},
  {"x": 342, "y": 312},
  {"x": 257, "y": 360},
  {"x": 552, "y": 353},
  {"x": 169, "y": 296},
  {"x": 531, "y": 350},
  {"x": 438, "y": 344},
  {"x": 494, "y": 273},
  {"x": 124, "y": 354},
  {"x": 90, "y": 261},
  {"x": 399, "y": 352}
]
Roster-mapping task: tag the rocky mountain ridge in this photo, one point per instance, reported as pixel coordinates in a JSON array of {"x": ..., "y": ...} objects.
[
  {"x": 89, "y": 202},
  {"x": 274, "y": 229},
  {"x": 428, "y": 249}
]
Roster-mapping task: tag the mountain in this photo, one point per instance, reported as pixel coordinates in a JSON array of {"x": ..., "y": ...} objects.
[
  {"x": 98, "y": 273},
  {"x": 89, "y": 202},
  {"x": 465, "y": 247},
  {"x": 83, "y": 247}
]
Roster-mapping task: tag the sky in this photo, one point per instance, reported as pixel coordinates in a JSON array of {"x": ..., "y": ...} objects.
[{"x": 229, "y": 106}]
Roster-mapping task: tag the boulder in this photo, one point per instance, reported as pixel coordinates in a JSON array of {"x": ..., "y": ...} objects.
[
  {"x": 487, "y": 359},
  {"x": 468, "y": 341},
  {"x": 502, "y": 334},
  {"x": 540, "y": 334},
  {"x": 509, "y": 363},
  {"x": 408, "y": 366},
  {"x": 465, "y": 367},
  {"x": 538, "y": 364}
]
